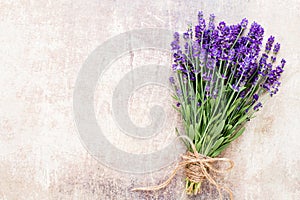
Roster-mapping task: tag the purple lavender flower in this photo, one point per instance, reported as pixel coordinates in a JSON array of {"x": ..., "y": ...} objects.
[
  {"x": 186, "y": 35},
  {"x": 279, "y": 70},
  {"x": 216, "y": 52},
  {"x": 272, "y": 82},
  {"x": 175, "y": 44},
  {"x": 270, "y": 43},
  {"x": 254, "y": 40},
  {"x": 235, "y": 87},
  {"x": 199, "y": 29},
  {"x": 202, "y": 24},
  {"x": 244, "y": 23},
  {"x": 211, "y": 24},
  {"x": 172, "y": 80},
  {"x": 283, "y": 63},
  {"x": 178, "y": 104},
  {"x": 187, "y": 48},
  {"x": 221, "y": 26},
  {"x": 203, "y": 55},
  {"x": 206, "y": 77},
  {"x": 198, "y": 33},
  {"x": 179, "y": 57},
  {"x": 207, "y": 88},
  {"x": 242, "y": 94},
  {"x": 256, "y": 32},
  {"x": 192, "y": 76},
  {"x": 179, "y": 92},
  {"x": 255, "y": 97},
  {"x": 273, "y": 59},
  {"x": 223, "y": 76},
  {"x": 232, "y": 53},
  {"x": 263, "y": 65},
  {"x": 200, "y": 15},
  {"x": 210, "y": 64},
  {"x": 276, "y": 48},
  {"x": 257, "y": 106},
  {"x": 176, "y": 36},
  {"x": 196, "y": 49}
]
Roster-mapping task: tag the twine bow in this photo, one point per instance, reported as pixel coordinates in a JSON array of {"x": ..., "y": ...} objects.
[{"x": 197, "y": 167}]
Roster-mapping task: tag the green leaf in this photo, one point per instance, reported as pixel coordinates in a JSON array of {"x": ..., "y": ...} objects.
[
  {"x": 198, "y": 146},
  {"x": 197, "y": 135},
  {"x": 235, "y": 117},
  {"x": 204, "y": 118},
  {"x": 199, "y": 110},
  {"x": 228, "y": 127},
  {"x": 177, "y": 132},
  {"x": 242, "y": 119},
  {"x": 188, "y": 114},
  {"x": 198, "y": 131},
  {"x": 219, "y": 150},
  {"x": 244, "y": 109},
  {"x": 242, "y": 88},
  {"x": 239, "y": 133},
  {"x": 216, "y": 117},
  {"x": 212, "y": 102},
  {"x": 174, "y": 97},
  {"x": 217, "y": 144},
  {"x": 216, "y": 130},
  {"x": 191, "y": 133},
  {"x": 233, "y": 107}
]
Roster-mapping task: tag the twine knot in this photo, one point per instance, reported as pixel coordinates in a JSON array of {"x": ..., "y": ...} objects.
[
  {"x": 197, "y": 169},
  {"x": 193, "y": 171}
]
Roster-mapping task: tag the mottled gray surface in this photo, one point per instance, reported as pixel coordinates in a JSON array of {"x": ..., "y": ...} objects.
[{"x": 43, "y": 45}]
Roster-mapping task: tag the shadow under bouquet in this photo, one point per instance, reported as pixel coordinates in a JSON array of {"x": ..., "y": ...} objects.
[{"x": 222, "y": 76}]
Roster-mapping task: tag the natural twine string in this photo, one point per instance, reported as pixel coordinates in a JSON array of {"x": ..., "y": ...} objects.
[{"x": 197, "y": 167}]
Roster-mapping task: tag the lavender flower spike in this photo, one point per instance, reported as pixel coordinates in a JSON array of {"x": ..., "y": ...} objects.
[
  {"x": 270, "y": 43},
  {"x": 211, "y": 24},
  {"x": 244, "y": 23},
  {"x": 175, "y": 44},
  {"x": 172, "y": 80},
  {"x": 201, "y": 22},
  {"x": 257, "y": 106},
  {"x": 276, "y": 48}
]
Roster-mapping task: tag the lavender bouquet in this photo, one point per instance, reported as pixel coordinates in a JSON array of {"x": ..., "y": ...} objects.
[{"x": 222, "y": 76}]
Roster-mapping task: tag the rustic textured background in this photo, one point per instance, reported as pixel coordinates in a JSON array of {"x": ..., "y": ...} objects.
[{"x": 43, "y": 45}]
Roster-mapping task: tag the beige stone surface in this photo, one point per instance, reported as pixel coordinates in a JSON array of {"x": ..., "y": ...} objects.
[{"x": 43, "y": 45}]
